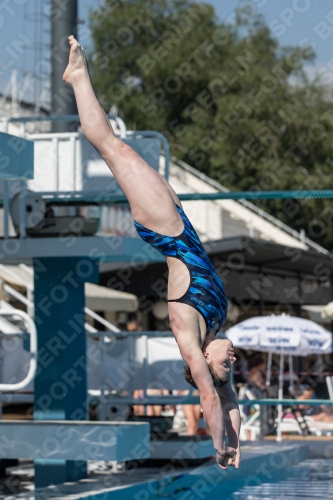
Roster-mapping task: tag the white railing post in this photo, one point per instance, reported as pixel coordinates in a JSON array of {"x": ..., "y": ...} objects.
[
  {"x": 22, "y": 129},
  {"x": 73, "y": 156},
  {"x": 55, "y": 142}
]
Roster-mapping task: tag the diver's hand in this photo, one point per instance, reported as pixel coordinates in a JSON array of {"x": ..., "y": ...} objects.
[
  {"x": 237, "y": 457},
  {"x": 226, "y": 457}
]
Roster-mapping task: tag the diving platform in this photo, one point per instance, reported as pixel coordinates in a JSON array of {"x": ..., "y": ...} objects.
[
  {"x": 74, "y": 440},
  {"x": 106, "y": 248}
]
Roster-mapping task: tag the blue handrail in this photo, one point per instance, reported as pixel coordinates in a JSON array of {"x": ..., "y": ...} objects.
[{"x": 72, "y": 198}]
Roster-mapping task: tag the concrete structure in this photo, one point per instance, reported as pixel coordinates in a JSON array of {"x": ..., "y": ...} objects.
[{"x": 59, "y": 306}]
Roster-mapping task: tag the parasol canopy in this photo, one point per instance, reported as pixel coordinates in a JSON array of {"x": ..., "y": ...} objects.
[{"x": 281, "y": 334}]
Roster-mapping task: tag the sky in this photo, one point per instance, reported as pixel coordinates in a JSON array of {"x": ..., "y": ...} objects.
[{"x": 293, "y": 22}]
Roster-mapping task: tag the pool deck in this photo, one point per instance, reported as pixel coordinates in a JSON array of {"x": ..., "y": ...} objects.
[{"x": 259, "y": 461}]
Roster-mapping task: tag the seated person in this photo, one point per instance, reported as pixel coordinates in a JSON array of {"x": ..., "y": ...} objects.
[
  {"x": 317, "y": 413},
  {"x": 256, "y": 378},
  {"x": 256, "y": 382}
]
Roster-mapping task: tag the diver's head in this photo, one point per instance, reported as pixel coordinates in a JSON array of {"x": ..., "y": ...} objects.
[{"x": 219, "y": 354}]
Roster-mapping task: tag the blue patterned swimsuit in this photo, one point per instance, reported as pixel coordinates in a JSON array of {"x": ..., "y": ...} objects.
[{"x": 205, "y": 292}]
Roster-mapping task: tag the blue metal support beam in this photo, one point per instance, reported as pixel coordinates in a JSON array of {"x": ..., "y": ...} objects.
[{"x": 61, "y": 379}]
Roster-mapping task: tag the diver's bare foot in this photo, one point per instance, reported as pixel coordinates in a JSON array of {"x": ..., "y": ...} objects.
[{"x": 77, "y": 63}]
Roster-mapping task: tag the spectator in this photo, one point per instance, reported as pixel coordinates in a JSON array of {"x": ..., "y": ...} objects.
[
  {"x": 256, "y": 378},
  {"x": 133, "y": 324},
  {"x": 151, "y": 410},
  {"x": 192, "y": 415},
  {"x": 241, "y": 368},
  {"x": 317, "y": 413},
  {"x": 256, "y": 383}
]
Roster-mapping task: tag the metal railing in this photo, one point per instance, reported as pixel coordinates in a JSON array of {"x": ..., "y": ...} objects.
[
  {"x": 105, "y": 336},
  {"x": 102, "y": 395},
  {"x": 114, "y": 333},
  {"x": 295, "y": 234},
  {"x": 31, "y": 328},
  {"x": 124, "y": 133},
  {"x": 164, "y": 142},
  {"x": 23, "y": 120},
  {"x": 72, "y": 137}
]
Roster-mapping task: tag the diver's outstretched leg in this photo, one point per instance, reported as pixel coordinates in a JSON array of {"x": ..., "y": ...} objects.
[{"x": 150, "y": 197}]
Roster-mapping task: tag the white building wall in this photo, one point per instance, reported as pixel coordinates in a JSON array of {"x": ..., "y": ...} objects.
[{"x": 223, "y": 218}]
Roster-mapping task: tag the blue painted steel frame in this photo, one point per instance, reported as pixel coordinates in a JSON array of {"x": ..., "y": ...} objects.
[
  {"x": 61, "y": 379},
  {"x": 16, "y": 157}
]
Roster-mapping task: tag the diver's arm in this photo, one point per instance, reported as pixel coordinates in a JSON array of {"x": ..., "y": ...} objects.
[
  {"x": 209, "y": 398},
  {"x": 232, "y": 418}
]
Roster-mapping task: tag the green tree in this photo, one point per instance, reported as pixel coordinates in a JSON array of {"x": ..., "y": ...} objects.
[{"x": 231, "y": 101}]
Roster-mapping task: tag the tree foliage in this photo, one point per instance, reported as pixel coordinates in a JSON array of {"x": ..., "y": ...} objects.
[{"x": 232, "y": 102}]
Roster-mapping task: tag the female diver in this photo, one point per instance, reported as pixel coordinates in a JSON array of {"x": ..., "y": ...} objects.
[{"x": 196, "y": 301}]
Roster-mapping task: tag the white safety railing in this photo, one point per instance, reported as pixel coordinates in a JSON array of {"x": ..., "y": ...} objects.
[
  {"x": 31, "y": 329},
  {"x": 54, "y": 139},
  {"x": 23, "y": 120},
  {"x": 146, "y": 399},
  {"x": 64, "y": 149},
  {"x": 106, "y": 337},
  {"x": 28, "y": 301}
]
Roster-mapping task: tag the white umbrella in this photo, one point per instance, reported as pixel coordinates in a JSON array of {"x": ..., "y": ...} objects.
[{"x": 281, "y": 335}]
